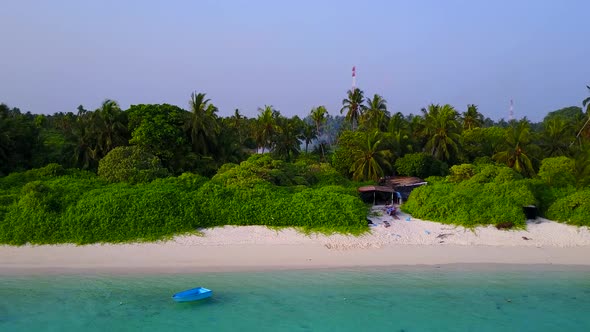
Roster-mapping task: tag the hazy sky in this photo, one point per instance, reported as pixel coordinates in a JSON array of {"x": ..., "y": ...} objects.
[{"x": 56, "y": 55}]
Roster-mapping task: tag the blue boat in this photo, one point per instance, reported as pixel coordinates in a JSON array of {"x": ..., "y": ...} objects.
[{"x": 194, "y": 294}]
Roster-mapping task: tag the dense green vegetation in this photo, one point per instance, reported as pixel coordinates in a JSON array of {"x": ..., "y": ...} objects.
[
  {"x": 53, "y": 205},
  {"x": 154, "y": 170},
  {"x": 489, "y": 194}
]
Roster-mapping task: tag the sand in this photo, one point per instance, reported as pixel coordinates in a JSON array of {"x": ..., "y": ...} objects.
[{"x": 410, "y": 242}]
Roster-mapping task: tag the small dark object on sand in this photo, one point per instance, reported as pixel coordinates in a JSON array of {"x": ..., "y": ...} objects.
[
  {"x": 369, "y": 222},
  {"x": 526, "y": 238},
  {"x": 505, "y": 225},
  {"x": 386, "y": 224},
  {"x": 443, "y": 235}
]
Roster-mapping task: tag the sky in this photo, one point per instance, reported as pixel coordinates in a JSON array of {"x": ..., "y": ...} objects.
[{"x": 295, "y": 55}]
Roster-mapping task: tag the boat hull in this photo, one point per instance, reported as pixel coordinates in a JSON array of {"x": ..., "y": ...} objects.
[{"x": 194, "y": 294}]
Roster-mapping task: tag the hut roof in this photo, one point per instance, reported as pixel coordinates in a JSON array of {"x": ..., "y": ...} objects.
[
  {"x": 401, "y": 181},
  {"x": 376, "y": 188}
]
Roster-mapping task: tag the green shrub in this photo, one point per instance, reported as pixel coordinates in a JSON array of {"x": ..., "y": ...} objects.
[
  {"x": 573, "y": 209},
  {"x": 130, "y": 164},
  {"x": 547, "y": 195},
  {"x": 19, "y": 179},
  {"x": 80, "y": 207},
  {"x": 461, "y": 172},
  {"x": 558, "y": 171},
  {"x": 483, "y": 199}
]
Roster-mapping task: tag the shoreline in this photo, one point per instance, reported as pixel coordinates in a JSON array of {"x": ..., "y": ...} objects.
[
  {"x": 392, "y": 242},
  {"x": 166, "y": 258}
]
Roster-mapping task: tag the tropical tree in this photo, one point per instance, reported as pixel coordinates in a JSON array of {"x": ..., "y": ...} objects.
[
  {"x": 584, "y": 131},
  {"x": 238, "y": 122},
  {"x": 555, "y": 137},
  {"x": 309, "y": 134},
  {"x": 111, "y": 127},
  {"x": 370, "y": 159},
  {"x": 397, "y": 136},
  {"x": 353, "y": 105},
  {"x": 5, "y": 140},
  {"x": 158, "y": 129},
  {"x": 481, "y": 142},
  {"x": 286, "y": 140},
  {"x": 375, "y": 114},
  {"x": 19, "y": 139},
  {"x": 472, "y": 118},
  {"x": 318, "y": 115},
  {"x": 441, "y": 130},
  {"x": 202, "y": 124},
  {"x": 514, "y": 150},
  {"x": 86, "y": 154},
  {"x": 586, "y": 102},
  {"x": 266, "y": 126}
]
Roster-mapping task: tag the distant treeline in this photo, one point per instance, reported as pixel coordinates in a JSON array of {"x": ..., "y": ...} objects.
[{"x": 363, "y": 140}]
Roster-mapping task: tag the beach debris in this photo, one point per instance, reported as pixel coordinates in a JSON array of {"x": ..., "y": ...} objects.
[
  {"x": 386, "y": 224},
  {"x": 427, "y": 232},
  {"x": 526, "y": 238},
  {"x": 441, "y": 241},
  {"x": 505, "y": 225},
  {"x": 408, "y": 219},
  {"x": 443, "y": 235}
]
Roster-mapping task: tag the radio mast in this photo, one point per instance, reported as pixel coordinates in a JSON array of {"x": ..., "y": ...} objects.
[{"x": 353, "y": 78}]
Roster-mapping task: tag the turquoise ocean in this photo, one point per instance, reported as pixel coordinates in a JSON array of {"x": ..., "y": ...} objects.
[{"x": 367, "y": 299}]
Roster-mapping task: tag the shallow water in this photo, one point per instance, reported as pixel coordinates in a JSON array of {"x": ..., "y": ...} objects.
[{"x": 321, "y": 300}]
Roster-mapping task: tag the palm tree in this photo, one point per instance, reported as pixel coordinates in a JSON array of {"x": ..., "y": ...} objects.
[
  {"x": 586, "y": 102},
  {"x": 309, "y": 134},
  {"x": 237, "y": 122},
  {"x": 86, "y": 147},
  {"x": 441, "y": 129},
  {"x": 514, "y": 154},
  {"x": 266, "y": 126},
  {"x": 585, "y": 128},
  {"x": 353, "y": 105},
  {"x": 202, "y": 124},
  {"x": 472, "y": 118},
  {"x": 5, "y": 140},
  {"x": 370, "y": 159},
  {"x": 398, "y": 135},
  {"x": 111, "y": 126},
  {"x": 286, "y": 139},
  {"x": 555, "y": 137},
  {"x": 375, "y": 113},
  {"x": 318, "y": 115}
]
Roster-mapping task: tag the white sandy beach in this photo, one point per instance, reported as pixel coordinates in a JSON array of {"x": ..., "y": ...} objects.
[{"x": 406, "y": 242}]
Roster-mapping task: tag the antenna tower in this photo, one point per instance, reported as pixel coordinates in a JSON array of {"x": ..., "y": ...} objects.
[
  {"x": 353, "y": 78},
  {"x": 511, "y": 113}
]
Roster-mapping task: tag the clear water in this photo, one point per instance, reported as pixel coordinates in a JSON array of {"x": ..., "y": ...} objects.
[{"x": 322, "y": 300}]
